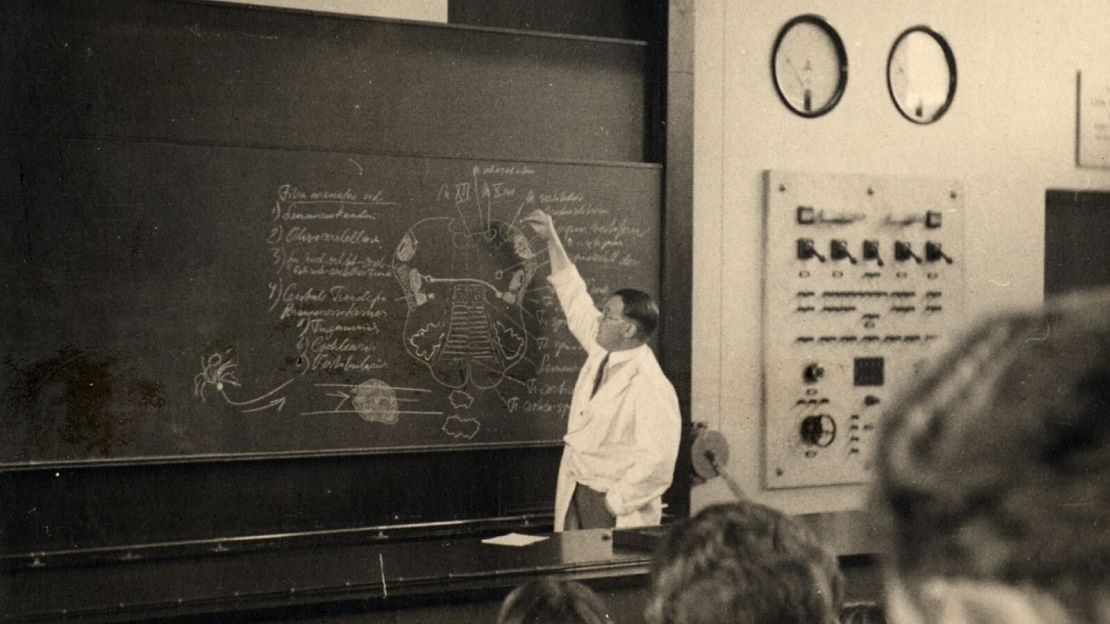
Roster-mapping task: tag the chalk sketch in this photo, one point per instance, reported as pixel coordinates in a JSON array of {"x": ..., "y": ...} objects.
[
  {"x": 464, "y": 282},
  {"x": 459, "y": 427},
  {"x": 460, "y": 399},
  {"x": 373, "y": 401},
  {"x": 218, "y": 371}
]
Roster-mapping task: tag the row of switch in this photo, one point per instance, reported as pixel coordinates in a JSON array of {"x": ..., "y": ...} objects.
[
  {"x": 838, "y": 250},
  {"x": 869, "y": 400}
]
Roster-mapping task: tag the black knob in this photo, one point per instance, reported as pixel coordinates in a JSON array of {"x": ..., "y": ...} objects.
[
  {"x": 818, "y": 430},
  {"x": 813, "y": 373}
]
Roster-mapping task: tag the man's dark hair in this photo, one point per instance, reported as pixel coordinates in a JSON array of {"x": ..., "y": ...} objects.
[
  {"x": 641, "y": 309},
  {"x": 993, "y": 466},
  {"x": 743, "y": 563},
  {"x": 546, "y": 600}
]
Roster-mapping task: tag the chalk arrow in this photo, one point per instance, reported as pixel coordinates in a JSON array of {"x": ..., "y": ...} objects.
[{"x": 278, "y": 402}]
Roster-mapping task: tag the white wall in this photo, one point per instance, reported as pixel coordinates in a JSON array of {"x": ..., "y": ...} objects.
[{"x": 1009, "y": 135}]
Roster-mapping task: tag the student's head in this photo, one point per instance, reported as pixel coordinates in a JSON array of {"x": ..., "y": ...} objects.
[
  {"x": 629, "y": 319},
  {"x": 548, "y": 601},
  {"x": 994, "y": 474},
  {"x": 743, "y": 563}
]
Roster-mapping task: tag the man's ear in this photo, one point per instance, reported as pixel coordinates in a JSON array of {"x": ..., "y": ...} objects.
[
  {"x": 630, "y": 330},
  {"x": 963, "y": 601}
]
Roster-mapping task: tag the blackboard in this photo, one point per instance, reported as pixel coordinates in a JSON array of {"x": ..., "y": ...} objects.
[
  {"x": 174, "y": 301},
  {"x": 1076, "y": 226},
  {"x": 228, "y": 74}
]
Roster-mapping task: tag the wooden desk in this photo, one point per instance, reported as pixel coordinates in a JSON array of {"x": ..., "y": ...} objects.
[{"x": 395, "y": 582}]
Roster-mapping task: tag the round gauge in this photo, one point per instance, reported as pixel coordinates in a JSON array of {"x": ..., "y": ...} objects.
[
  {"x": 921, "y": 75},
  {"x": 809, "y": 65}
]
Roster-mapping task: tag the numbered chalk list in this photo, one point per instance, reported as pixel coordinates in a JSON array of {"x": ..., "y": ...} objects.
[{"x": 177, "y": 301}]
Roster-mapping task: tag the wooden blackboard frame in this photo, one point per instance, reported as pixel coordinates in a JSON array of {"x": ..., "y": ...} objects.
[
  {"x": 645, "y": 181},
  {"x": 91, "y": 52}
]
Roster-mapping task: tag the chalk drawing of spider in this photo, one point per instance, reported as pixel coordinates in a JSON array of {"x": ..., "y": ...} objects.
[{"x": 214, "y": 371}]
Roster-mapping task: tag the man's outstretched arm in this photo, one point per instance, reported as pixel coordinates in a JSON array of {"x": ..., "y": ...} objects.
[{"x": 581, "y": 313}]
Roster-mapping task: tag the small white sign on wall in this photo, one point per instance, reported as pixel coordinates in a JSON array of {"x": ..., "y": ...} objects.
[{"x": 1093, "y": 148}]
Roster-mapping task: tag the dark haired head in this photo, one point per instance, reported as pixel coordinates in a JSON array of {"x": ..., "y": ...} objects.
[
  {"x": 549, "y": 601},
  {"x": 641, "y": 309},
  {"x": 993, "y": 467},
  {"x": 743, "y": 563}
]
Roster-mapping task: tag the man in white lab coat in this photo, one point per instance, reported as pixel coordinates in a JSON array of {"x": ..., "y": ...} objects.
[{"x": 624, "y": 424}]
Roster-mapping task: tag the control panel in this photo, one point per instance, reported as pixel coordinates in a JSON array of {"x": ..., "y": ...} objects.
[{"x": 863, "y": 283}]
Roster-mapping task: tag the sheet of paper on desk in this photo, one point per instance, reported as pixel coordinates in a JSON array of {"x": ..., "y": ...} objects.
[{"x": 514, "y": 539}]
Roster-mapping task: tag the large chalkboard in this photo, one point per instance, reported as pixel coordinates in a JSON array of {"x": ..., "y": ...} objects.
[{"x": 183, "y": 301}]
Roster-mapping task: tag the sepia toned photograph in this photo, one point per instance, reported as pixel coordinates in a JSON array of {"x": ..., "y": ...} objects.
[{"x": 559, "y": 311}]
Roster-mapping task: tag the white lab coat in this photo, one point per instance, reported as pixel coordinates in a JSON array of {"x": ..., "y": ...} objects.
[{"x": 624, "y": 440}]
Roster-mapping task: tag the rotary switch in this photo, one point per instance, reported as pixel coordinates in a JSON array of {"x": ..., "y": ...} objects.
[{"x": 818, "y": 430}]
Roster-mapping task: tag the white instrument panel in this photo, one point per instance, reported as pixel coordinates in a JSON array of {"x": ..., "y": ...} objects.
[{"x": 863, "y": 283}]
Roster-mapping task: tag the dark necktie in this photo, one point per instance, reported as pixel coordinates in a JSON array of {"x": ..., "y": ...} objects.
[{"x": 600, "y": 374}]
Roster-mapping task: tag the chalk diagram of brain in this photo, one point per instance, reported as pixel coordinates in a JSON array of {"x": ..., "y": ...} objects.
[{"x": 464, "y": 292}]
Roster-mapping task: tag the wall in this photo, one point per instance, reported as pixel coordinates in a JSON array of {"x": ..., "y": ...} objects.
[{"x": 1009, "y": 135}]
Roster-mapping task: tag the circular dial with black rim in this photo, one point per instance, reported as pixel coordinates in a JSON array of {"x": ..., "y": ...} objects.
[
  {"x": 921, "y": 75},
  {"x": 809, "y": 65}
]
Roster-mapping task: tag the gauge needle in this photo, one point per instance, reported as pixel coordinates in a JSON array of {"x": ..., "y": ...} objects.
[{"x": 797, "y": 75}]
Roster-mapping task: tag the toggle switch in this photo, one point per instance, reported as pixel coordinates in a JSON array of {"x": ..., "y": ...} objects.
[
  {"x": 871, "y": 251},
  {"x": 933, "y": 253},
  {"x": 839, "y": 250},
  {"x": 903, "y": 252},
  {"x": 806, "y": 250}
]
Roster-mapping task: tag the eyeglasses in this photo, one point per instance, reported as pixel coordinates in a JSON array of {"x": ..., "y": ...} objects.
[{"x": 606, "y": 317}]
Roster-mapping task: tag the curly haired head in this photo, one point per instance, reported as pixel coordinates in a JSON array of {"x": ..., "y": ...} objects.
[
  {"x": 546, "y": 600},
  {"x": 743, "y": 563},
  {"x": 993, "y": 468}
]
